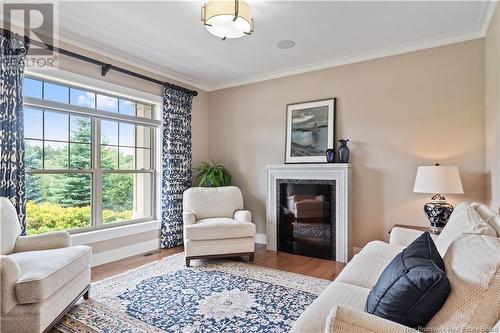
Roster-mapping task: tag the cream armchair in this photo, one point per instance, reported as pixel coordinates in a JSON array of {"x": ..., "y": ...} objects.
[
  {"x": 41, "y": 276},
  {"x": 215, "y": 224}
]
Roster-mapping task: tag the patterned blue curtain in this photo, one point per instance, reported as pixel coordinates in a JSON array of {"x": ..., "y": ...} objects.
[
  {"x": 13, "y": 51},
  {"x": 176, "y": 157}
]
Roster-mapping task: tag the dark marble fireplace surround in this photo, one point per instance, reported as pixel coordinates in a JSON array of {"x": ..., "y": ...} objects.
[{"x": 305, "y": 212}]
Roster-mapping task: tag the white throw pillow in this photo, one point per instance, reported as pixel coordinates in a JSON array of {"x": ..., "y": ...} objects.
[
  {"x": 494, "y": 222},
  {"x": 472, "y": 265},
  {"x": 463, "y": 220}
]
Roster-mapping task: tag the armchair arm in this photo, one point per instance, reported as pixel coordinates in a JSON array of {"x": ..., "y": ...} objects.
[
  {"x": 403, "y": 236},
  {"x": 9, "y": 275},
  {"x": 188, "y": 218},
  {"x": 243, "y": 215},
  {"x": 343, "y": 319},
  {"x": 48, "y": 241}
]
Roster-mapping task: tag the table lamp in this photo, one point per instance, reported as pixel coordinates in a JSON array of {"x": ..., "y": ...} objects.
[{"x": 438, "y": 180}]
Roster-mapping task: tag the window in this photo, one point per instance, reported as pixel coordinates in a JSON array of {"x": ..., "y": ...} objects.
[{"x": 89, "y": 157}]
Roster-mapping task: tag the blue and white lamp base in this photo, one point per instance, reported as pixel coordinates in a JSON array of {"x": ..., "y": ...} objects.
[{"x": 438, "y": 211}]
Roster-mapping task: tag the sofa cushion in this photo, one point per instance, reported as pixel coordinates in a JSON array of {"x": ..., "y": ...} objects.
[
  {"x": 219, "y": 228},
  {"x": 413, "y": 287},
  {"x": 464, "y": 219},
  {"x": 42, "y": 273},
  {"x": 365, "y": 268},
  {"x": 472, "y": 264},
  {"x": 313, "y": 319},
  {"x": 207, "y": 202},
  {"x": 382, "y": 249}
]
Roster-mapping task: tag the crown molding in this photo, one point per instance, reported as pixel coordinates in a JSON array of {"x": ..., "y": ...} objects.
[
  {"x": 485, "y": 20},
  {"x": 355, "y": 58}
]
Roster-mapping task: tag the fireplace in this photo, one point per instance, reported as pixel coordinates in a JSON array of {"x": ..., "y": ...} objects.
[
  {"x": 307, "y": 210},
  {"x": 306, "y": 217}
]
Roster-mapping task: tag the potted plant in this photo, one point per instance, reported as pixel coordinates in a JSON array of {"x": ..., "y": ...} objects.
[{"x": 212, "y": 175}]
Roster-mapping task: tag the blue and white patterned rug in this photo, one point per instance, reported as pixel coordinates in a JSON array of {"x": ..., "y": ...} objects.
[{"x": 212, "y": 296}]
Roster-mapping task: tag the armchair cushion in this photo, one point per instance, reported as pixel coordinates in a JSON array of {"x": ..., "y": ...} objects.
[
  {"x": 208, "y": 202},
  {"x": 9, "y": 275},
  {"x": 218, "y": 228},
  {"x": 9, "y": 226},
  {"x": 48, "y": 241},
  {"x": 42, "y": 273},
  {"x": 342, "y": 319}
]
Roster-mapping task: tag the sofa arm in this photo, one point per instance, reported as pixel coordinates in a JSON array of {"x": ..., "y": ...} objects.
[
  {"x": 403, "y": 236},
  {"x": 188, "y": 218},
  {"x": 343, "y": 319},
  {"x": 243, "y": 215},
  {"x": 48, "y": 241},
  {"x": 9, "y": 275}
]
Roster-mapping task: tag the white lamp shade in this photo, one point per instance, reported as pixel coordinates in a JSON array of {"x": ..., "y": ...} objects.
[{"x": 438, "y": 179}]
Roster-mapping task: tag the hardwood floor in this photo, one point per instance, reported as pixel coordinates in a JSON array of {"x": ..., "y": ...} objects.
[{"x": 321, "y": 268}]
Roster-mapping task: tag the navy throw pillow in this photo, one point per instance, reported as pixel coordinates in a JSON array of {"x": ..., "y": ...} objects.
[{"x": 413, "y": 287}]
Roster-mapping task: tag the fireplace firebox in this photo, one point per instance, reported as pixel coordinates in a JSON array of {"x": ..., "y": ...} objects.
[
  {"x": 326, "y": 219},
  {"x": 306, "y": 217}
]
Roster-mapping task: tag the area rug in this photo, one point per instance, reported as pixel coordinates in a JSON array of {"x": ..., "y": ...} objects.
[{"x": 213, "y": 296}]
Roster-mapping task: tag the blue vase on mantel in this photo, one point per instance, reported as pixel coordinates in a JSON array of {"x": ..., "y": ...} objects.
[
  {"x": 343, "y": 151},
  {"x": 330, "y": 155}
]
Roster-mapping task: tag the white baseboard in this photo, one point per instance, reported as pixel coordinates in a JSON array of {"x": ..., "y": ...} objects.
[
  {"x": 124, "y": 252},
  {"x": 261, "y": 239}
]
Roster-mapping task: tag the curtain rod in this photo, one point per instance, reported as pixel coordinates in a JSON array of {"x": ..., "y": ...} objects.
[{"x": 105, "y": 67}]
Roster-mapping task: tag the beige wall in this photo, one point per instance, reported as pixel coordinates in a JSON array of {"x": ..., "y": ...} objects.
[
  {"x": 492, "y": 69},
  {"x": 399, "y": 112}
]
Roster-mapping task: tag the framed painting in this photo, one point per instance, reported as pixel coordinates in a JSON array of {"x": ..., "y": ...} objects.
[{"x": 310, "y": 131}]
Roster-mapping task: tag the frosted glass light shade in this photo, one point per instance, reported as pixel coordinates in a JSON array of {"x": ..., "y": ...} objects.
[
  {"x": 228, "y": 19},
  {"x": 438, "y": 179}
]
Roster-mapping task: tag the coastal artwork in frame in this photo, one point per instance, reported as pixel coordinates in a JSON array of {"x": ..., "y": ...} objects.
[{"x": 310, "y": 131}]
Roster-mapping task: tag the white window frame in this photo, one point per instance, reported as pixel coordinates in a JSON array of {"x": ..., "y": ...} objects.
[{"x": 99, "y": 231}]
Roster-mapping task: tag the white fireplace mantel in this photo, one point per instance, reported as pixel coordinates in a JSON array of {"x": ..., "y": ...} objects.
[{"x": 336, "y": 171}]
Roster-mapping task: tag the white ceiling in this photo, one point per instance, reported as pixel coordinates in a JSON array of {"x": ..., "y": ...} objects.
[{"x": 167, "y": 37}]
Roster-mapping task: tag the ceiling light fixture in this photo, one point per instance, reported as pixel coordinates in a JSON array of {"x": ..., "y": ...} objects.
[{"x": 227, "y": 19}]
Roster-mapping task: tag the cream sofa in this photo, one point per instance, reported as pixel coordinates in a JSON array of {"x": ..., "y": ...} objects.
[
  {"x": 41, "y": 276},
  {"x": 215, "y": 224},
  {"x": 470, "y": 245}
]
